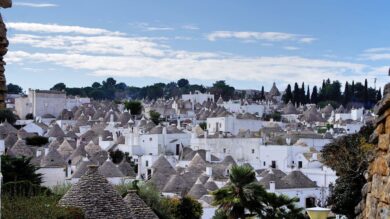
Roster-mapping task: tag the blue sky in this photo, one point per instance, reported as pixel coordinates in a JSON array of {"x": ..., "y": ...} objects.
[{"x": 246, "y": 43}]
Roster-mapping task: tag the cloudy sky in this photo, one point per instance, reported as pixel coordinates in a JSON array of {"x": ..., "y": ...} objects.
[{"x": 247, "y": 43}]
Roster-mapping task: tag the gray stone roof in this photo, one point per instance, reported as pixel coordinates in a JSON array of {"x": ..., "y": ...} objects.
[
  {"x": 197, "y": 190},
  {"x": 20, "y": 149},
  {"x": 96, "y": 197},
  {"x": 124, "y": 118},
  {"x": 65, "y": 149},
  {"x": 274, "y": 91},
  {"x": 6, "y": 128},
  {"x": 55, "y": 132},
  {"x": 228, "y": 160},
  {"x": 210, "y": 185},
  {"x": 203, "y": 178},
  {"x": 108, "y": 169},
  {"x": 159, "y": 180},
  {"x": 82, "y": 168},
  {"x": 77, "y": 154},
  {"x": 53, "y": 159},
  {"x": 126, "y": 168},
  {"x": 10, "y": 140},
  {"x": 99, "y": 157},
  {"x": 197, "y": 164},
  {"x": 162, "y": 165},
  {"x": 176, "y": 184},
  {"x": 91, "y": 148},
  {"x": 290, "y": 109},
  {"x": 296, "y": 179},
  {"x": 139, "y": 208},
  {"x": 55, "y": 144}
]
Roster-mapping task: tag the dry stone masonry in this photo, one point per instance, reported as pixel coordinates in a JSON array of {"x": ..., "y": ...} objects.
[{"x": 376, "y": 192}]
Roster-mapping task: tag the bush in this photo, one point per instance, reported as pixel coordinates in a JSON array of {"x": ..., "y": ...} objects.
[
  {"x": 29, "y": 116},
  {"x": 185, "y": 208},
  {"x": 7, "y": 115},
  {"x": 37, "y": 140},
  {"x": 37, "y": 207},
  {"x": 23, "y": 189}
]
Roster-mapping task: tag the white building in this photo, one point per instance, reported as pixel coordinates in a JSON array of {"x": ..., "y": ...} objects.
[{"x": 198, "y": 97}]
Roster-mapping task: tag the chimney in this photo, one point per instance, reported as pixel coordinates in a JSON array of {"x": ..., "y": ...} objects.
[
  {"x": 39, "y": 152},
  {"x": 208, "y": 156},
  {"x": 209, "y": 171},
  {"x": 288, "y": 141},
  {"x": 272, "y": 186},
  {"x": 46, "y": 151}
]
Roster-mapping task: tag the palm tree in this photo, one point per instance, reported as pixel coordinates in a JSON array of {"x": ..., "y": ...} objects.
[{"x": 244, "y": 197}]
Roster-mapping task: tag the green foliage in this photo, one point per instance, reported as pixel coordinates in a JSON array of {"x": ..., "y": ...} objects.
[
  {"x": 349, "y": 156},
  {"x": 183, "y": 83},
  {"x": 37, "y": 140},
  {"x": 37, "y": 207},
  {"x": 287, "y": 96},
  {"x": 29, "y": 116},
  {"x": 14, "y": 89},
  {"x": 151, "y": 196},
  {"x": 116, "y": 156},
  {"x": 243, "y": 197},
  {"x": 135, "y": 107},
  {"x": 154, "y": 116},
  {"x": 203, "y": 125},
  {"x": 19, "y": 169},
  {"x": 185, "y": 208},
  {"x": 276, "y": 116},
  {"x": 7, "y": 115},
  {"x": 60, "y": 190},
  {"x": 59, "y": 87},
  {"x": 220, "y": 88},
  {"x": 23, "y": 188}
]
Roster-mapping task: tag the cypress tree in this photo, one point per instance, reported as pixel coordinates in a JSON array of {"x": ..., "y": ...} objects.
[
  {"x": 314, "y": 95},
  {"x": 379, "y": 95},
  {"x": 347, "y": 94},
  {"x": 262, "y": 93},
  {"x": 296, "y": 94},
  {"x": 288, "y": 96},
  {"x": 365, "y": 95},
  {"x": 352, "y": 93},
  {"x": 302, "y": 95},
  {"x": 308, "y": 95}
]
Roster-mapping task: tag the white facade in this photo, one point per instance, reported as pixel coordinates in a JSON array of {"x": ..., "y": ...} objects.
[
  {"x": 237, "y": 107},
  {"x": 198, "y": 97},
  {"x": 233, "y": 125},
  {"x": 76, "y": 101},
  {"x": 52, "y": 176}
]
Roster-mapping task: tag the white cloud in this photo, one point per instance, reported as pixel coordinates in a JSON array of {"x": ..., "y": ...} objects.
[
  {"x": 291, "y": 48},
  {"x": 190, "y": 27},
  {"x": 266, "y": 36},
  {"x": 147, "y": 27},
  {"x": 375, "y": 54},
  {"x": 55, "y": 28},
  {"x": 34, "y": 5},
  {"x": 101, "y": 53}
]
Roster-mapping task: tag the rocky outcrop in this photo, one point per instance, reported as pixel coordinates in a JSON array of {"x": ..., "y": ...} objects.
[
  {"x": 3, "y": 51},
  {"x": 376, "y": 192}
]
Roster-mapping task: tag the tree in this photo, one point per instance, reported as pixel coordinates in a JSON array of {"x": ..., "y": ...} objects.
[
  {"x": 183, "y": 83},
  {"x": 287, "y": 96},
  {"x": 185, "y": 208},
  {"x": 116, "y": 156},
  {"x": 262, "y": 96},
  {"x": 96, "y": 85},
  {"x": 154, "y": 116},
  {"x": 296, "y": 94},
  {"x": 29, "y": 116},
  {"x": 109, "y": 83},
  {"x": 347, "y": 95},
  {"x": 59, "y": 87},
  {"x": 7, "y": 115},
  {"x": 16, "y": 169},
  {"x": 37, "y": 140},
  {"x": 365, "y": 95},
  {"x": 349, "y": 156},
  {"x": 302, "y": 94},
  {"x": 14, "y": 89},
  {"x": 314, "y": 95},
  {"x": 220, "y": 88},
  {"x": 308, "y": 95},
  {"x": 379, "y": 95},
  {"x": 135, "y": 107},
  {"x": 243, "y": 197}
]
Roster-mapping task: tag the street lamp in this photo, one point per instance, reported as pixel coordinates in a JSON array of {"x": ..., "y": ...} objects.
[{"x": 318, "y": 213}]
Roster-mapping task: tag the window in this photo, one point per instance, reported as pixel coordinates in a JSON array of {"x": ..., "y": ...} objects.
[
  {"x": 150, "y": 139},
  {"x": 299, "y": 164},
  {"x": 146, "y": 163},
  {"x": 264, "y": 163},
  {"x": 224, "y": 150},
  {"x": 273, "y": 165},
  {"x": 253, "y": 151}
]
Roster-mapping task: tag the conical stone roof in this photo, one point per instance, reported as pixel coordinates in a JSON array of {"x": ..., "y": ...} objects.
[
  {"x": 126, "y": 168},
  {"x": 138, "y": 207},
  {"x": 197, "y": 190},
  {"x": 108, "y": 169},
  {"x": 210, "y": 185},
  {"x": 65, "y": 149},
  {"x": 162, "y": 165},
  {"x": 20, "y": 149},
  {"x": 53, "y": 159},
  {"x": 176, "y": 184},
  {"x": 92, "y": 148},
  {"x": 96, "y": 197},
  {"x": 55, "y": 132}
]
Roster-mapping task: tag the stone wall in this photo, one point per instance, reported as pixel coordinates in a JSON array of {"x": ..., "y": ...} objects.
[{"x": 376, "y": 192}]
